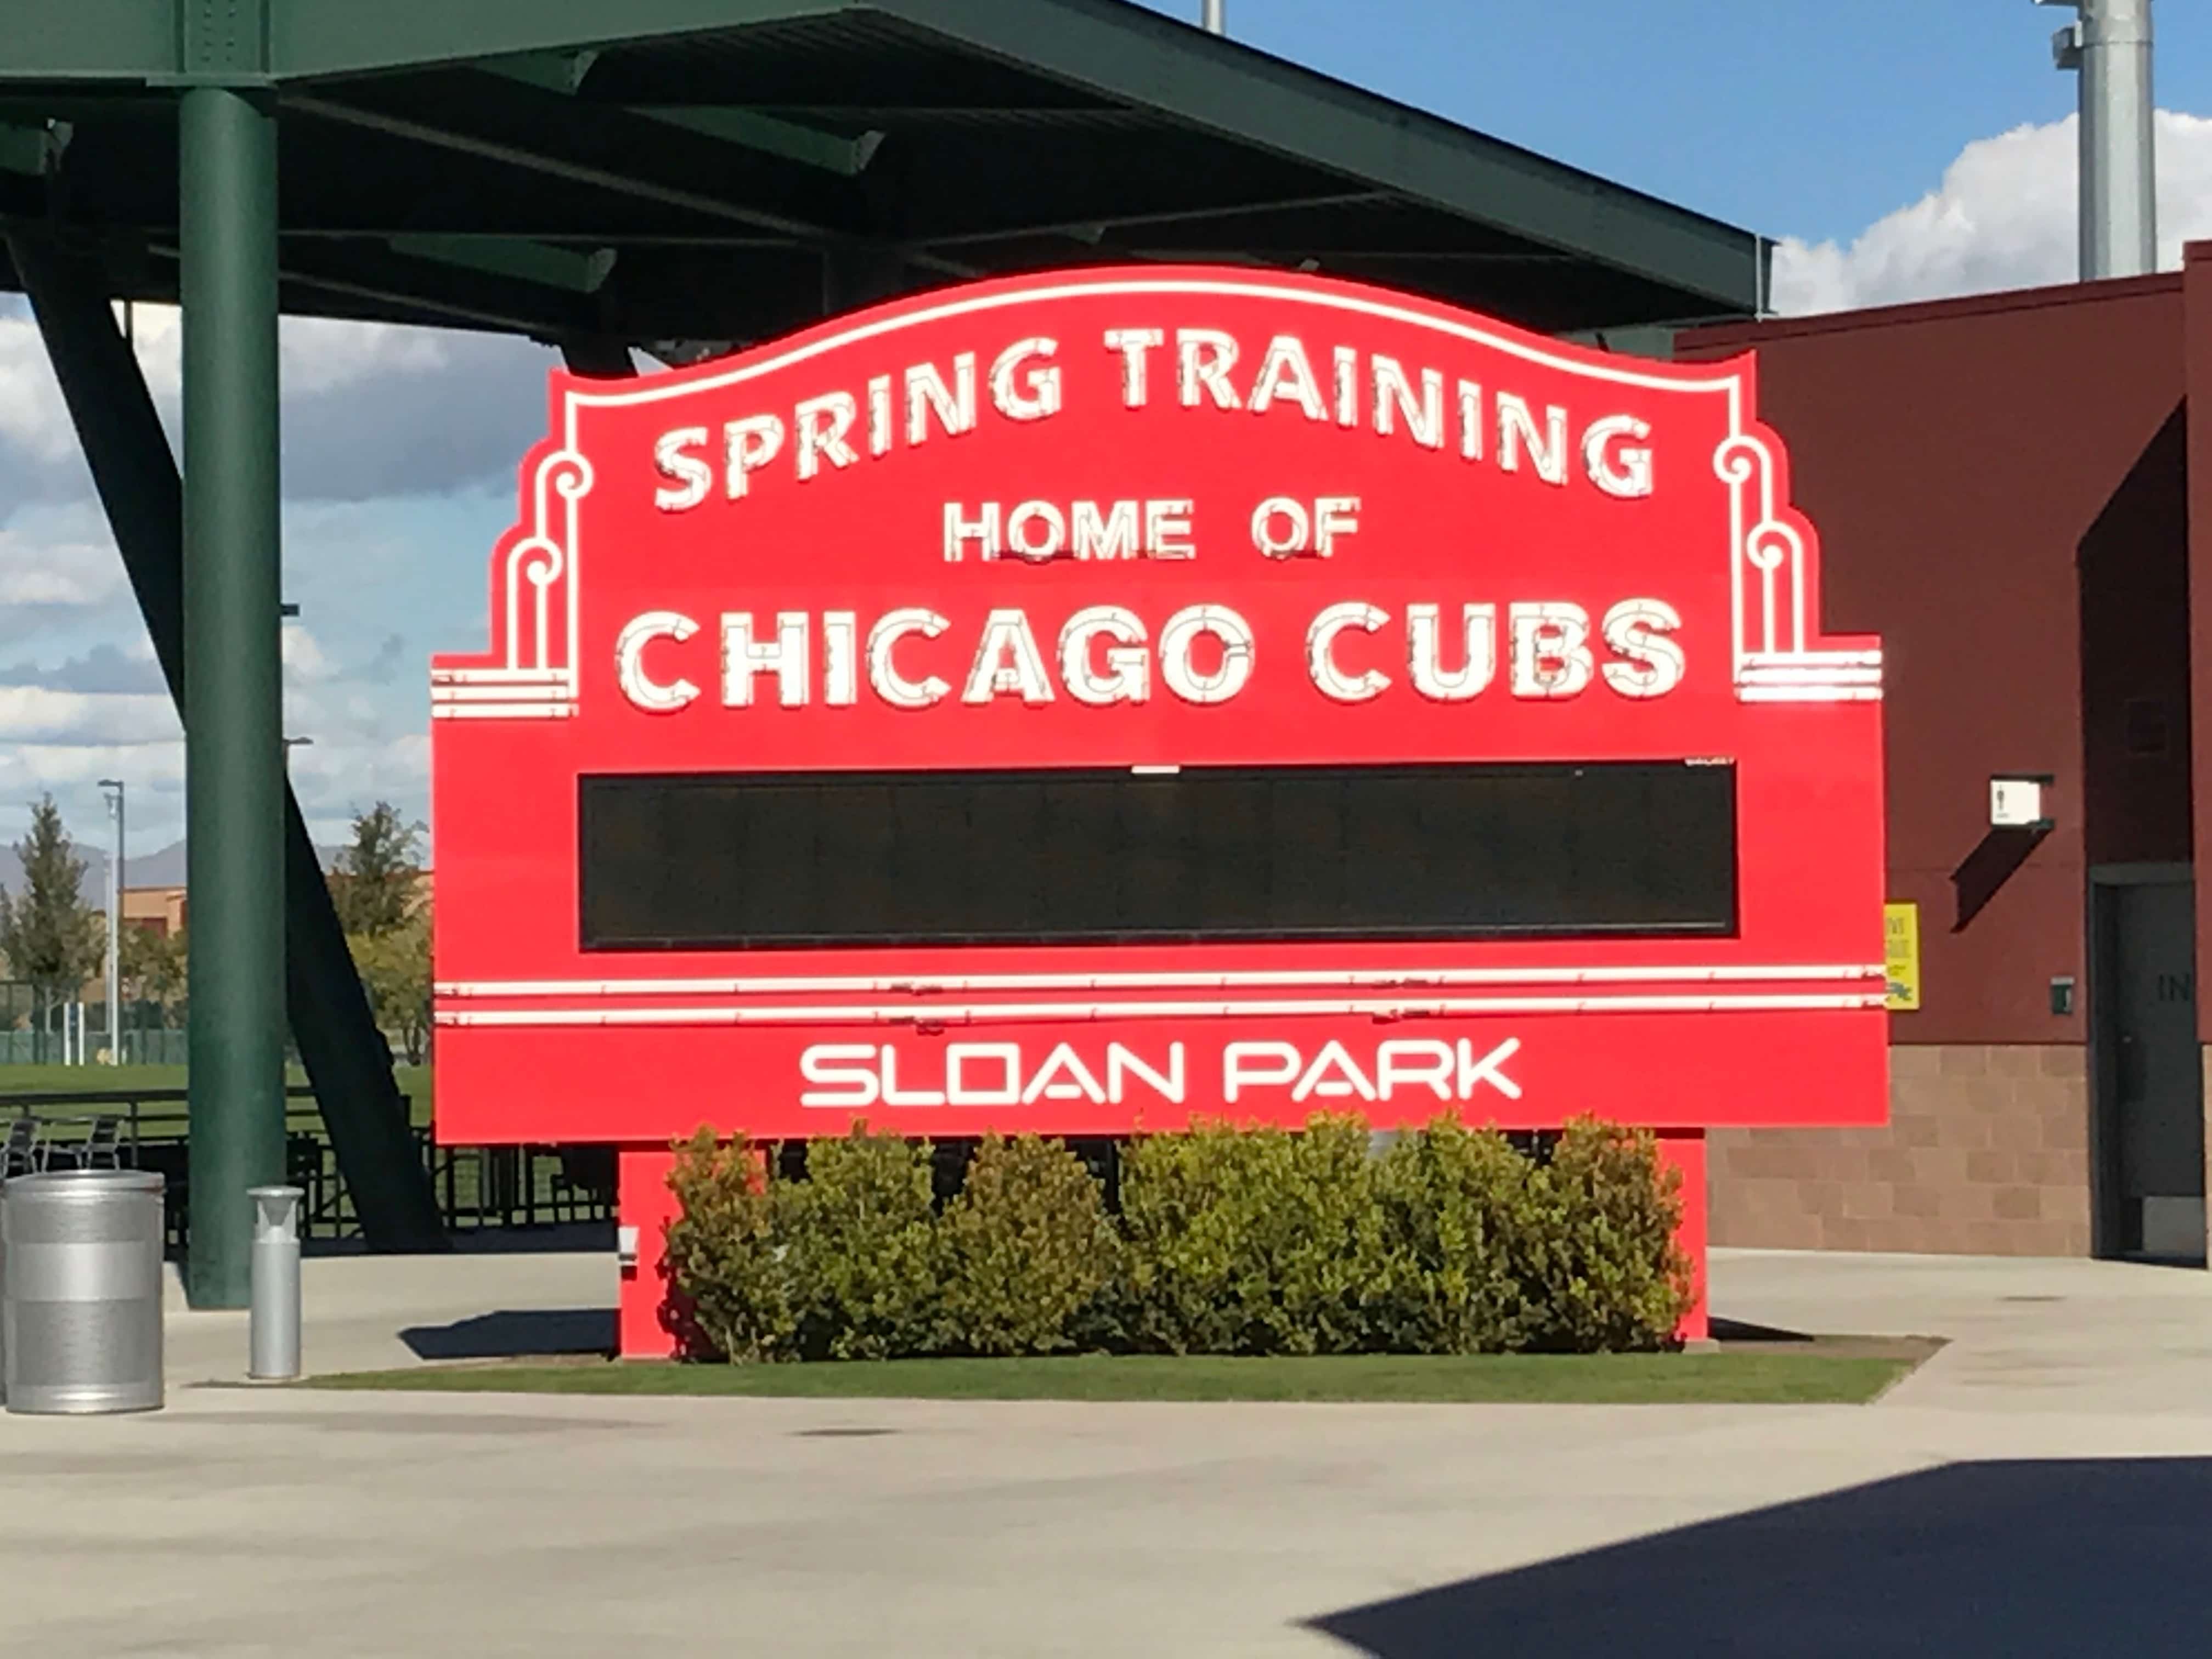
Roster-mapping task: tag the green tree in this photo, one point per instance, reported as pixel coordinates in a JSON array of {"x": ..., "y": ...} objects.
[
  {"x": 47, "y": 933},
  {"x": 153, "y": 966},
  {"x": 395, "y": 970},
  {"x": 373, "y": 885}
]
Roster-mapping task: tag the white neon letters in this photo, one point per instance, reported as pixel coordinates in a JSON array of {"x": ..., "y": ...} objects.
[
  {"x": 1424, "y": 651},
  {"x": 1232, "y": 638},
  {"x": 1126, "y": 675},
  {"x": 643, "y": 691},
  {"x": 1331, "y": 681},
  {"x": 854, "y": 1076},
  {"x": 1392, "y": 398},
  {"x": 884, "y": 677},
  {"x": 1103, "y": 655}
]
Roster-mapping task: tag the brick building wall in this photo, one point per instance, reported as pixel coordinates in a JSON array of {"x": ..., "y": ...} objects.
[
  {"x": 1986, "y": 1152},
  {"x": 2028, "y": 595}
]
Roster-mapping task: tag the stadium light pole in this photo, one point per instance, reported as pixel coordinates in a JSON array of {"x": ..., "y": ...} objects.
[
  {"x": 112, "y": 790},
  {"x": 2110, "y": 48}
]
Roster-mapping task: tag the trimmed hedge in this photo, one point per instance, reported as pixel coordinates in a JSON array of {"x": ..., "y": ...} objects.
[{"x": 1233, "y": 1240}]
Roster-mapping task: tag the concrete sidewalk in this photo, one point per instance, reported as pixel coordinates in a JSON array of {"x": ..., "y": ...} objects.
[
  {"x": 2044, "y": 1488},
  {"x": 361, "y": 1313},
  {"x": 2025, "y": 1335}
]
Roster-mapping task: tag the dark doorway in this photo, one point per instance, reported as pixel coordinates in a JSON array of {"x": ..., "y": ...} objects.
[{"x": 2148, "y": 1072}]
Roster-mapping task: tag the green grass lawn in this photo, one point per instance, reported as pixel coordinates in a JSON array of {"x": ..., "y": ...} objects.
[
  {"x": 1804, "y": 1375},
  {"x": 414, "y": 1082},
  {"x": 25, "y": 1079}
]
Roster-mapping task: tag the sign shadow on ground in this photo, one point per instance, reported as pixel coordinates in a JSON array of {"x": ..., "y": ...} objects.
[{"x": 2020, "y": 1557}]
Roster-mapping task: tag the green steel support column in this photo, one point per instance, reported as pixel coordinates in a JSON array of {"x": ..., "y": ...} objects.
[
  {"x": 233, "y": 697},
  {"x": 136, "y": 476}
]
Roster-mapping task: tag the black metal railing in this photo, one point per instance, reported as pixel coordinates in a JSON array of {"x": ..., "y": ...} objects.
[{"x": 478, "y": 1187}]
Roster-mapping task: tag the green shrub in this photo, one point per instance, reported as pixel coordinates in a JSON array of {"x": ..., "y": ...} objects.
[
  {"x": 1250, "y": 1241},
  {"x": 1608, "y": 1274},
  {"x": 1024, "y": 1250},
  {"x": 725, "y": 1262},
  {"x": 1230, "y": 1241},
  {"x": 1457, "y": 1206},
  {"x": 861, "y": 1247}
]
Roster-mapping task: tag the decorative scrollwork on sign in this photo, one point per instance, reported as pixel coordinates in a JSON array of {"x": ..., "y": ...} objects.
[
  {"x": 1767, "y": 579},
  {"x": 536, "y": 677},
  {"x": 545, "y": 561}
]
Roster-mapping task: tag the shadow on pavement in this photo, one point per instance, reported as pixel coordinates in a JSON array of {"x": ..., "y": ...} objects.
[
  {"x": 2072, "y": 1558},
  {"x": 566, "y": 1238},
  {"x": 515, "y": 1333}
]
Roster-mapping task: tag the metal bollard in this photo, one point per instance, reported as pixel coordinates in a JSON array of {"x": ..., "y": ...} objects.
[
  {"x": 274, "y": 1338},
  {"x": 80, "y": 1292}
]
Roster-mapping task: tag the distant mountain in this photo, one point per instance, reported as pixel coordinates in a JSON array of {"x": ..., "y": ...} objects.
[{"x": 164, "y": 868}]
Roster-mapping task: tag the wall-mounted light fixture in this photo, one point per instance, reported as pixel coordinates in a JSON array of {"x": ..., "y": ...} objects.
[
  {"x": 2016, "y": 800},
  {"x": 2019, "y": 822}
]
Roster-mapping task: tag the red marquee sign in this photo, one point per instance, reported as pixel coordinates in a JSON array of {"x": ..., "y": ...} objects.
[{"x": 1086, "y": 701}]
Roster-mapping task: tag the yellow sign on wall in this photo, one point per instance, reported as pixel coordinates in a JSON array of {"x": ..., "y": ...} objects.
[{"x": 1900, "y": 935}]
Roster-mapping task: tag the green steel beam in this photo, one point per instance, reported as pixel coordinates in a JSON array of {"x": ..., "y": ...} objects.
[
  {"x": 134, "y": 475},
  {"x": 87, "y": 40},
  {"x": 565, "y": 72},
  {"x": 233, "y": 697},
  {"x": 847, "y": 157},
  {"x": 325, "y": 37},
  {"x": 522, "y": 261},
  {"x": 544, "y": 149},
  {"x": 595, "y": 145},
  {"x": 554, "y": 71},
  {"x": 32, "y": 150},
  {"x": 597, "y": 357}
]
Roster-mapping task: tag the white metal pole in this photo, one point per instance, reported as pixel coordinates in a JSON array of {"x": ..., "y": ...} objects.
[
  {"x": 115, "y": 931},
  {"x": 1216, "y": 16},
  {"x": 121, "y": 859},
  {"x": 2112, "y": 49}
]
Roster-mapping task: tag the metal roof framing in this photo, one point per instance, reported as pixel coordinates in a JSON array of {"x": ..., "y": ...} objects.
[{"x": 728, "y": 154}]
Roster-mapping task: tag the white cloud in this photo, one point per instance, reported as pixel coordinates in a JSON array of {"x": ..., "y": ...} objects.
[
  {"x": 303, "y": 657},
  {"x": 2003, "y": 218},
  {"x": 345, "y": 772},
  {"x": 32, "y": 415},
  {"x": 55, "y": 557},
  {"x": 370, "y": 408},
  {"x": 316, "y": 355},
  {"x": 42, "y": 714},
  {"x": 70, "y": 773}
]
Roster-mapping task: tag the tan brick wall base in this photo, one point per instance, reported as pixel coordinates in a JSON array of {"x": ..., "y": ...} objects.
[{"x": 1986, "y": 1152}]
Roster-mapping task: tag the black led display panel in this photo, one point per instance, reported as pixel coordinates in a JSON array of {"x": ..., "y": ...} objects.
[{"x": 756, "y": 860}]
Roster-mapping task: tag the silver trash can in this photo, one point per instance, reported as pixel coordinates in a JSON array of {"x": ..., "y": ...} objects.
[{"x": 81, "y": 1290}]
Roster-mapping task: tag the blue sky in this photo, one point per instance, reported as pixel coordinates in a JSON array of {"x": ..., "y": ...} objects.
[
  {"x": 1902, "y": 150},
  {"x": 1788, "y": 117}
]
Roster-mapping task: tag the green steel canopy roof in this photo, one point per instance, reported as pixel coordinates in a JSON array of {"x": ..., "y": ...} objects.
[{"x": 721, "y": 171}]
